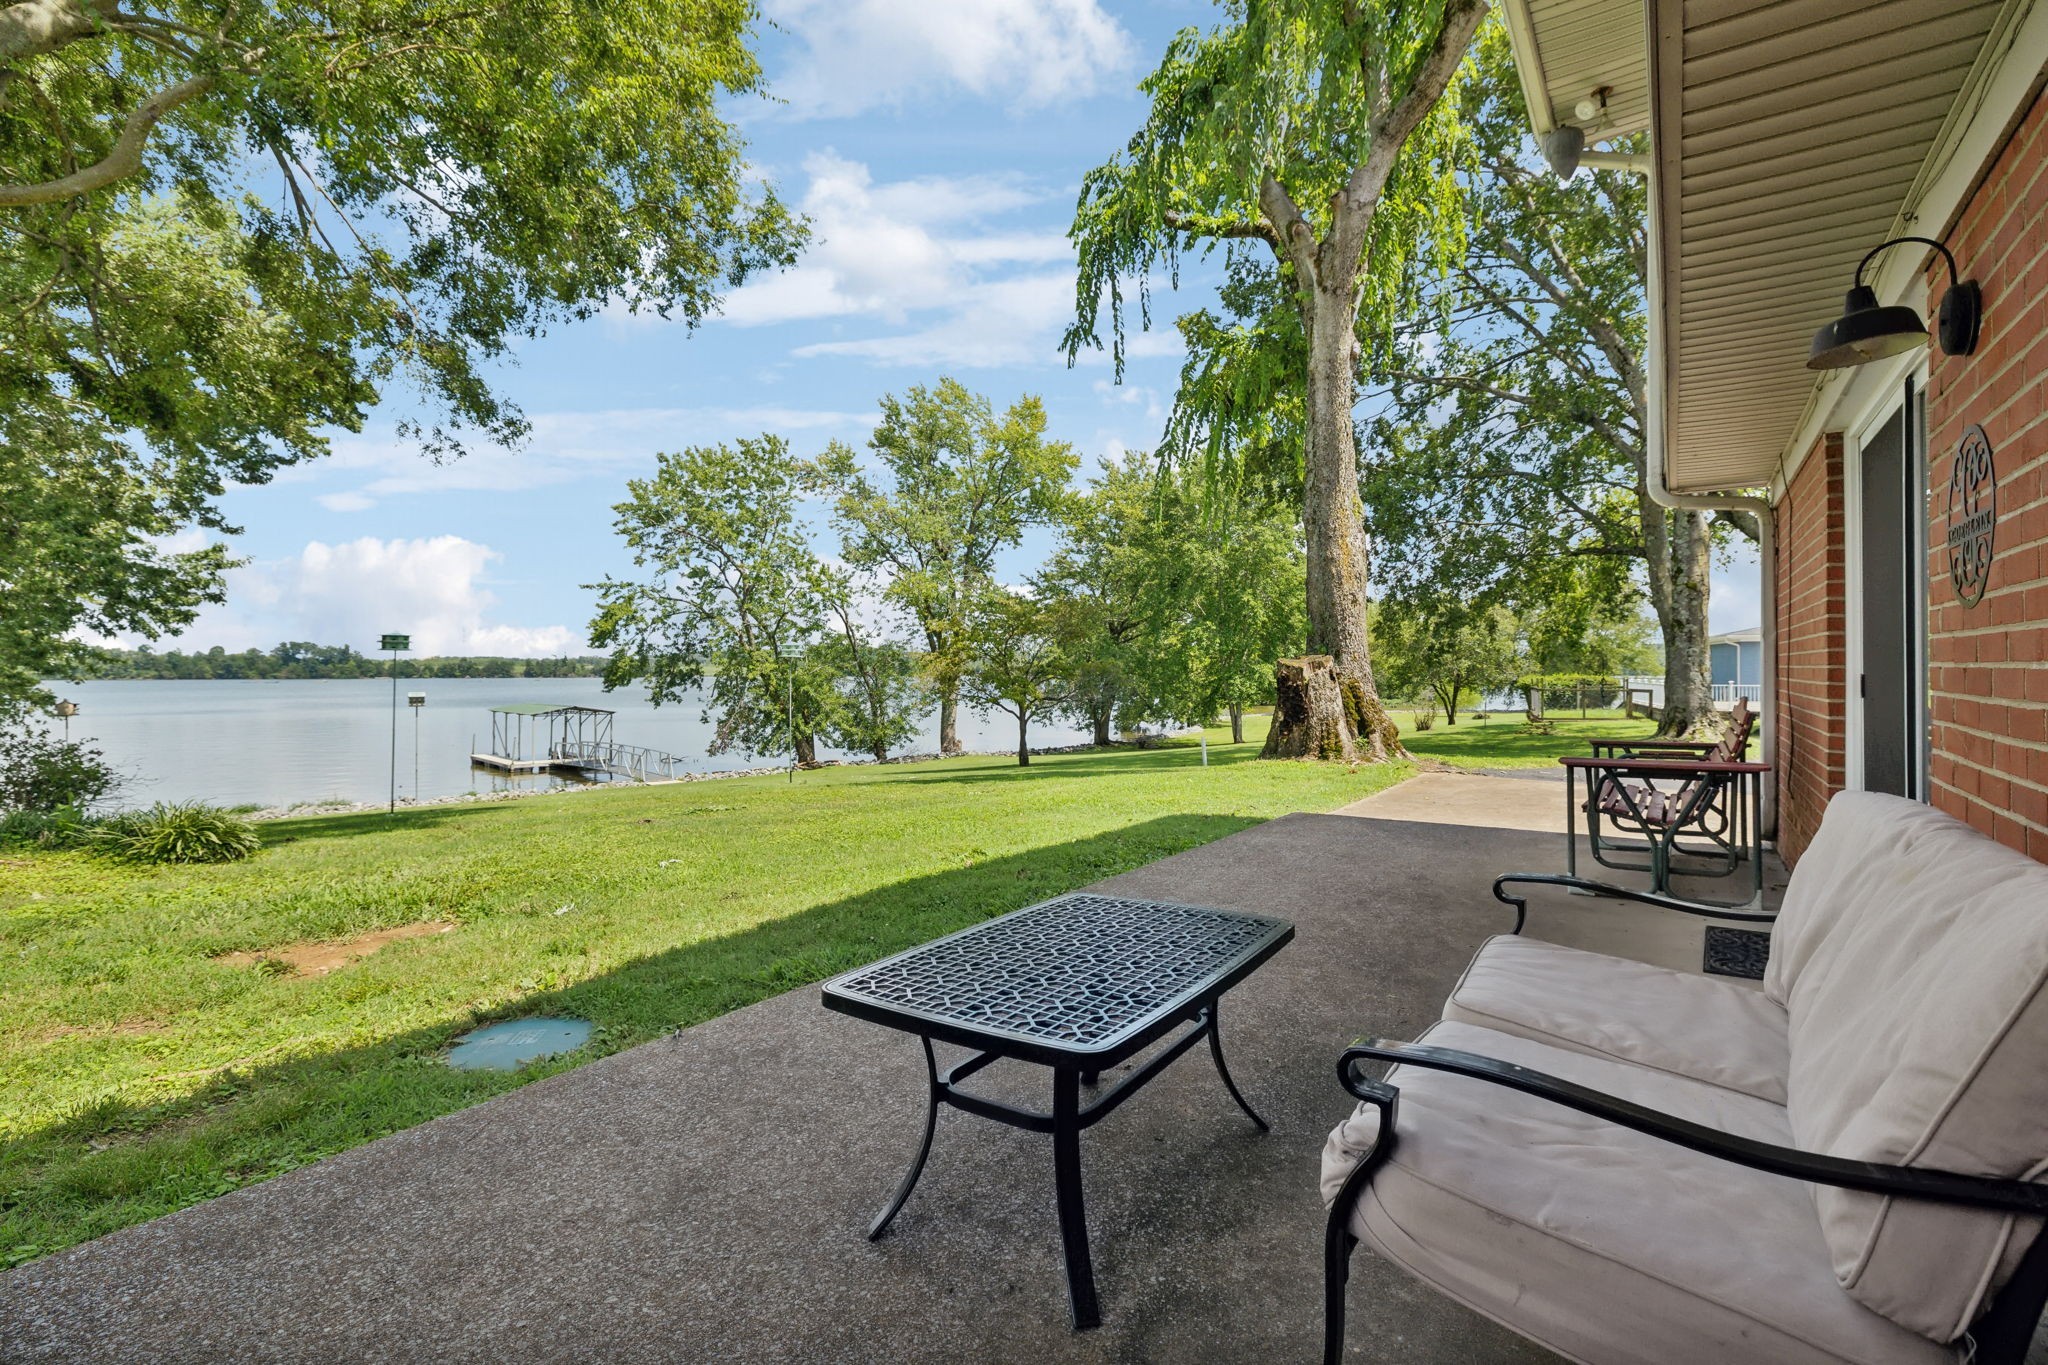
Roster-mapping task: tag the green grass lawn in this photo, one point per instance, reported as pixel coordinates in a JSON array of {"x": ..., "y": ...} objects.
[
  {"x": 142, "y": 1070},
  {"x": 1505, "y": 742}
]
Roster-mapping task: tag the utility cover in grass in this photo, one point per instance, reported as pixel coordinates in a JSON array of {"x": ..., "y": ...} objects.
[{"x": 512, "y": 1044}]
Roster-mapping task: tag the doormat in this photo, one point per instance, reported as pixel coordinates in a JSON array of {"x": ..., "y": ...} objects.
[{"x": 1737, "y": 952}]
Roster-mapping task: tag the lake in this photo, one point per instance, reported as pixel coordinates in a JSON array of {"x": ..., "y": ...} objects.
[{"x": 276, "y": 743}]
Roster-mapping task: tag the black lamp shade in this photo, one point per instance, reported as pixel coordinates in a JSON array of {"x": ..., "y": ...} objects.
[{"x": 1866, "y": 332}]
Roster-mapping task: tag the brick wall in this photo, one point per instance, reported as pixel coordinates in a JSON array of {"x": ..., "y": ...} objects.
[
  {"x": 1812, "y": 647},
  {"x": 1988, "y": 696}
]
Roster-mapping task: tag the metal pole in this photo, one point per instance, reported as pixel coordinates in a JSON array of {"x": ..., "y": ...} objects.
[
  {"x": 792, "y": 725},
  {"x": 416, "y": 752},
  {"x": 393, "y": 809}
]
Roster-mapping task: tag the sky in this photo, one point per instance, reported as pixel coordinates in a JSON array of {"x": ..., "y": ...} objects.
[{"x": 938, "y": 151}]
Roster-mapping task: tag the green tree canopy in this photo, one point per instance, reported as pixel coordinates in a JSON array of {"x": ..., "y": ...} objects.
[
  {"x": 1512, "y": 462},
  {"x": 1220, "y": 599},
  {"x": 1096, "y": 576},
  {"x": 231, "y": 228},
  {"x": 1446, "y": 651},
  {"x": 1014, "y": 659},
  {"x": 1284, "y": 129},
  {"x": 735, "y": 602},
  {"x": 951, "y": 484}
]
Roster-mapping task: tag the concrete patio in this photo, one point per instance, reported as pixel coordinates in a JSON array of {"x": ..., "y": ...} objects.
[{"x": 703, "y": 1197}]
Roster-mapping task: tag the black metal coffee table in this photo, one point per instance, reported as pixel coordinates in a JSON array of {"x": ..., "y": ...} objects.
[{"x": 1078, "y": 984}]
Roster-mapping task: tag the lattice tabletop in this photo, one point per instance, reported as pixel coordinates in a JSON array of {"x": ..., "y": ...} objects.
[{"x": 1082, "y": 971}]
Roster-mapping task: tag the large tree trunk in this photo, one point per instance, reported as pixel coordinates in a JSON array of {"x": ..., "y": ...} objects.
[
  {"x": 1023, "y": 740},
  {"x": 1236, "y": 723},
  {"x": 1688, "y": 674},
  {"x": 949, "y": 722},
  {"x": 1338, "y": 563},
  {"x": 1100, "y": 720},
  {"x": 806, "y": 751}
]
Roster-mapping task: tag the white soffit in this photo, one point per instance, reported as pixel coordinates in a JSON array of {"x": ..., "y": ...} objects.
[
  {"x": 1566, "y": 50},
  {"x": 1789, "y": 136}
]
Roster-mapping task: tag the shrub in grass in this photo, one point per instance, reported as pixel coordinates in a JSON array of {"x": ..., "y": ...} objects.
[
  {"x": 180, "y": 832},
  {"x": 64, "y": 827}
]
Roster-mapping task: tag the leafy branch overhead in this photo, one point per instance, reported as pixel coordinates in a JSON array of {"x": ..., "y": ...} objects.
[{"x": 232, "y": 228}]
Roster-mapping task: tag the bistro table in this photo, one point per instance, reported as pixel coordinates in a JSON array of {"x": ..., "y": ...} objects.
[{"x": 1077, "y": 984}]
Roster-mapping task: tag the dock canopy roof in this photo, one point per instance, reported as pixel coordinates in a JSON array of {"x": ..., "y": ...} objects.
[{"x": 543, "y": 708}]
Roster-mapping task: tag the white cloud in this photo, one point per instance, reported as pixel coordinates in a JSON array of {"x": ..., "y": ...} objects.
[
  {"x": 1143, "y": 397},
  {"x": 920, "y": 255},
  {"x": 893, "y": 250},
  {"x": 858, "y": 54},
  {"x": 352, "y": 592},
  {"x": 997, "y": 322},
  {"x": 565, "y": 446}
]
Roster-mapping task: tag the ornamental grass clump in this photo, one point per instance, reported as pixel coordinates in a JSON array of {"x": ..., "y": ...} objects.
[{"x": 180, "y": 832}]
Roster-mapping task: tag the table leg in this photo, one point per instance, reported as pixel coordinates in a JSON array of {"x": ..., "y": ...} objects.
[
  {"x": 924, "y": 1148},
  {"x": 1066, "y": 1170},
  {"x": 1216, "y": 1050},
  {"x": 1756, "y": 836},
  {"x": 1571, "y": 820}
]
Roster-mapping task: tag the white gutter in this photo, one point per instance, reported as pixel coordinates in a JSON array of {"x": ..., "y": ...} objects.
[
  {"x": 1528, "y": 64},
  {"x": 1616, "y": 161}
]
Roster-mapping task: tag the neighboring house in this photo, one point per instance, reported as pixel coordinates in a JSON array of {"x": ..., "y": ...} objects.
[
  {"x": 1737, "y": 661},
  {"x": 1905, "y": 495}
]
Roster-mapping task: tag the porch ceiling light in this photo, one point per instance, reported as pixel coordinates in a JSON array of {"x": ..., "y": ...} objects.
[{"x": 1867, "y": 331}]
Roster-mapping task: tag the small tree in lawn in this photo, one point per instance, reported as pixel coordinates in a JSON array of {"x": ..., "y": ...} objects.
[
  {"x": 876, "y": 681},
  {"x": 1447, "y": 651},
  {"x": 1015, "y": 662},
  {"x": 1097, "y": 580},
  {"x": 1221, "y": 599},
  {"x": 957, "y": 485},
  {"x": 733, "y": 596}
]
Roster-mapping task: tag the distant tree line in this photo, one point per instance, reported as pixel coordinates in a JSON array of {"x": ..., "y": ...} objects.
[{"x": 303, "y": 659}]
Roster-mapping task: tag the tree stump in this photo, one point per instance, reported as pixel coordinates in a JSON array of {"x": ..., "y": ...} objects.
[{"x": 1310, "y": 719}]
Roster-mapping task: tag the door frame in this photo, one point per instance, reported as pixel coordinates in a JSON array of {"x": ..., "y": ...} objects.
[{"x": 1885, "y": 404}]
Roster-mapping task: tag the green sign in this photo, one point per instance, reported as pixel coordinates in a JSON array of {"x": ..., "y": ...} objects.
[{"x": 396, "y": 642}]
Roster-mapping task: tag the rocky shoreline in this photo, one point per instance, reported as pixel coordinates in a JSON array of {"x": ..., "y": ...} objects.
[{"x": 305, "y": 809}]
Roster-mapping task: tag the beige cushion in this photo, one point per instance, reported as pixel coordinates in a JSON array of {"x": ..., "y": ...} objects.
[
  {"x": 1691, "y": 1025},
  {"x": 1601, "y": 1243},
  {"x": 1911, "y": 955}
]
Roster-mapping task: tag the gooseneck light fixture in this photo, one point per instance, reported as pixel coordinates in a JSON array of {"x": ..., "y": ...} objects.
[{"x": 1867, "y": 331}]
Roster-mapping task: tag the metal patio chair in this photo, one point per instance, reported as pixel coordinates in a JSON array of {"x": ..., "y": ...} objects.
[{"x": 1671, "y": 799}]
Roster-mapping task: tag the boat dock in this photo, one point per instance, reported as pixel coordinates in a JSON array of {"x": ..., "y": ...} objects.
[{"x": 578, "y": 743}]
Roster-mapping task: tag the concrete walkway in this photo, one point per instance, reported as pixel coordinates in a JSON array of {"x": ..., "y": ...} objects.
[{"x": 703, "y": 1197}]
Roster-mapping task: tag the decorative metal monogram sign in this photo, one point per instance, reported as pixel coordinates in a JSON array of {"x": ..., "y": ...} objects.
[{"x": 1972, "y": 515}]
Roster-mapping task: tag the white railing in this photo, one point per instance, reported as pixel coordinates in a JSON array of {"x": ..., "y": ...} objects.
[
  {"x": 627, "y": 760},
  {"x": 1730, "y": 693}
]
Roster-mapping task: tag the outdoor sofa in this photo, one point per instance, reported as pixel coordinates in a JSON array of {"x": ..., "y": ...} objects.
[{"x": 1626, "y": 1163}]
